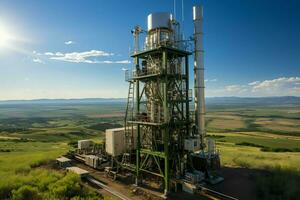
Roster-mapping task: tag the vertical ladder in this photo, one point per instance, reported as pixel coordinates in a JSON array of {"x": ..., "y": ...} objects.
[{"x": 129, "y": 126}]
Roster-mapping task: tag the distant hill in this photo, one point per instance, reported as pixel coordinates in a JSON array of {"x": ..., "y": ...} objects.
[
  {"x": 254, "y": 100},
  {"x": 209, "y": 101},
  {"x": 66, "y": 101}
]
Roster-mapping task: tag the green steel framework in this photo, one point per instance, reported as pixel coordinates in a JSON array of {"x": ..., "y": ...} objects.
[{"x": 160, "y": 145}]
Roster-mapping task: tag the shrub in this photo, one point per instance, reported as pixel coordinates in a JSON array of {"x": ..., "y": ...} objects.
[
  {"x": 5, "y": 191},
  {"x": 278, "y": 184},
  {"x": 268, "y": 149},
  {"x": 45, "y": 184},
  {"x": 67, "y": 187},
  {"x": 26, "y": 192},
  {"x": 5, "y": 150},
  {"x": 73, "y": 143},
  {"x": 249, "y": 144}
]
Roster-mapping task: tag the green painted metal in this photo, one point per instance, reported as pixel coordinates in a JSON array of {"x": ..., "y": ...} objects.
[
  {"x": 159, "y": 146},
  {"x": 138, "y": 126},
  {"x": 166, "y": 118},
  {"x": 153, "y": 153}
]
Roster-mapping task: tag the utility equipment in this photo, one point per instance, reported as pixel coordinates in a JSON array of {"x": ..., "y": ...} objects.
[{"x": 168, "y": 142}]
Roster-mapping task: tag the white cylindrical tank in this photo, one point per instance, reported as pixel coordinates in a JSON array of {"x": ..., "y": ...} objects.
[
  {"x": 199, "y": 72},
  {"x": 159, "y": 20}
]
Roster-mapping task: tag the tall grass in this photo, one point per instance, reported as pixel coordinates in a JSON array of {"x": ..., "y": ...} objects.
[
  {"x": 253, "y": 157},
  {"x": 25, "y": 155},
  {"x": 278, "y": 184},
  {"x": 45, "y": 184},
  {"x": 22, "y": 179}
]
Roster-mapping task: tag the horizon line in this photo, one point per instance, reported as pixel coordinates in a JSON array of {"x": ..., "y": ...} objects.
[{"x": 116, "y": 98}]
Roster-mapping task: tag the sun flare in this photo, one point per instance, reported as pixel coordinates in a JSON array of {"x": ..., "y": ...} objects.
[{"x": 5, "y": 37}]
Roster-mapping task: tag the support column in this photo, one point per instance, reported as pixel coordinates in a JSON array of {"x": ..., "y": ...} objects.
[
  {"x": 166, "y": 120},
  {"x": 138, "y": 143},
  {"x": 187, "y": 103}
]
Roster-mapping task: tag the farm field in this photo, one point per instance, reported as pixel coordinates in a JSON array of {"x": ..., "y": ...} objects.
[
  {"x": 264, "y": 138},
  {"x": 33, "y": 136}
]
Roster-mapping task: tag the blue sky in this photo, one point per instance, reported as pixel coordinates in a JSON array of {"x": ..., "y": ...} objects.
[{"x": 77, "y": 49}]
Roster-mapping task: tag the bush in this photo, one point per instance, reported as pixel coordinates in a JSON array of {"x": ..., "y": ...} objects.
[
  {"x": 45, "y": 184},
  {"x": 67, "y": 187},
  {"x": 26, "y": 192},
  {"x": 249, "y": 144},
  {"x": 5, "y": 150},
  {"x": 268, "y": 149},
  {"x": 5, "y": 191},
  {"x": 73, "y": 143},
  {"x": 278, "y": 184}
]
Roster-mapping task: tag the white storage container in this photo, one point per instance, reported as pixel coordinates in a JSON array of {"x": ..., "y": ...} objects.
[
  {"x": 84, "y": 144},
  {"x": 115, "y": 141}
]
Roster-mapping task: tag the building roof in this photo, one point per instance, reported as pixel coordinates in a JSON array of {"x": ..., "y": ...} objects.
[
  {"x": 63, "y": 159},
  {"x": 116, "y": 129},
  {"x": 77, "y": 170}
]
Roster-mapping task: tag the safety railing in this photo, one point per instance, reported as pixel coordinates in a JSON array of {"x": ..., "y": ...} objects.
[{"x": 128, "y": 75}]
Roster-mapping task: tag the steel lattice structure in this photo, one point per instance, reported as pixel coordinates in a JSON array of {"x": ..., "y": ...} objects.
[{"x": 160, "y": 111}]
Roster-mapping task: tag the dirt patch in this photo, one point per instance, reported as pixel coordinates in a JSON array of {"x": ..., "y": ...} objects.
[{"x": 238, "y": 182}]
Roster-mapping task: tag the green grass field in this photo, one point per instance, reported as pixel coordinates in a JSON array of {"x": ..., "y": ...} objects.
[
  {"x": 265, "y": 139},
  {"x": 255, "y": 137},
  {"x": 31, "y": 136}
]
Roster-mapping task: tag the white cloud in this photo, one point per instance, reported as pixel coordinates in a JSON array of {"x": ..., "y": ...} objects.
[
  {"x": 59, "y": 54},
  {"x": 49, "y": 54},
  {"x": 69, "y": 42},
  {"x": 254, "y": 83},
  {"x": 278, "y": 87},
  {"x": 36, "y": 53},
  {"x": 78, "y": 57},
  {"x": 113, "y": 62},
  {"x": 235, "y": 88},
  {"x": 37, "y": 60},
  {"x": 211, "y": 80},
  {"x": 279, "y": 83},
  {"x": 85, "y": 57},
  {"x": 81, "y": 57},
  {"x": 282, "y": 86}
]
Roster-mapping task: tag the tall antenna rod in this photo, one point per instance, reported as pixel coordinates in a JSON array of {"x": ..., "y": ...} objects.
[
  {"x": 182, "y": 17},
  {"x": 174, "y": 4},
  {"x": 182, "y": 11}
]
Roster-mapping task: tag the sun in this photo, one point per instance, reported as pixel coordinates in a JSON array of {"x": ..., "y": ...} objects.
[
  {"x": 4, "y": 37},
  {"x": 11, "y": 40}
]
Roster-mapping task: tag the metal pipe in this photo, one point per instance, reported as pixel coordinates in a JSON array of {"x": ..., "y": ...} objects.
[
  {"x": 199, "y": 73},
  {"x": 108, "y": 189}
]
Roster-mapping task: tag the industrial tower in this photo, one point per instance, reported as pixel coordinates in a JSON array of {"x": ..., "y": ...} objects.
[{"x": 159, "y": 127}]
